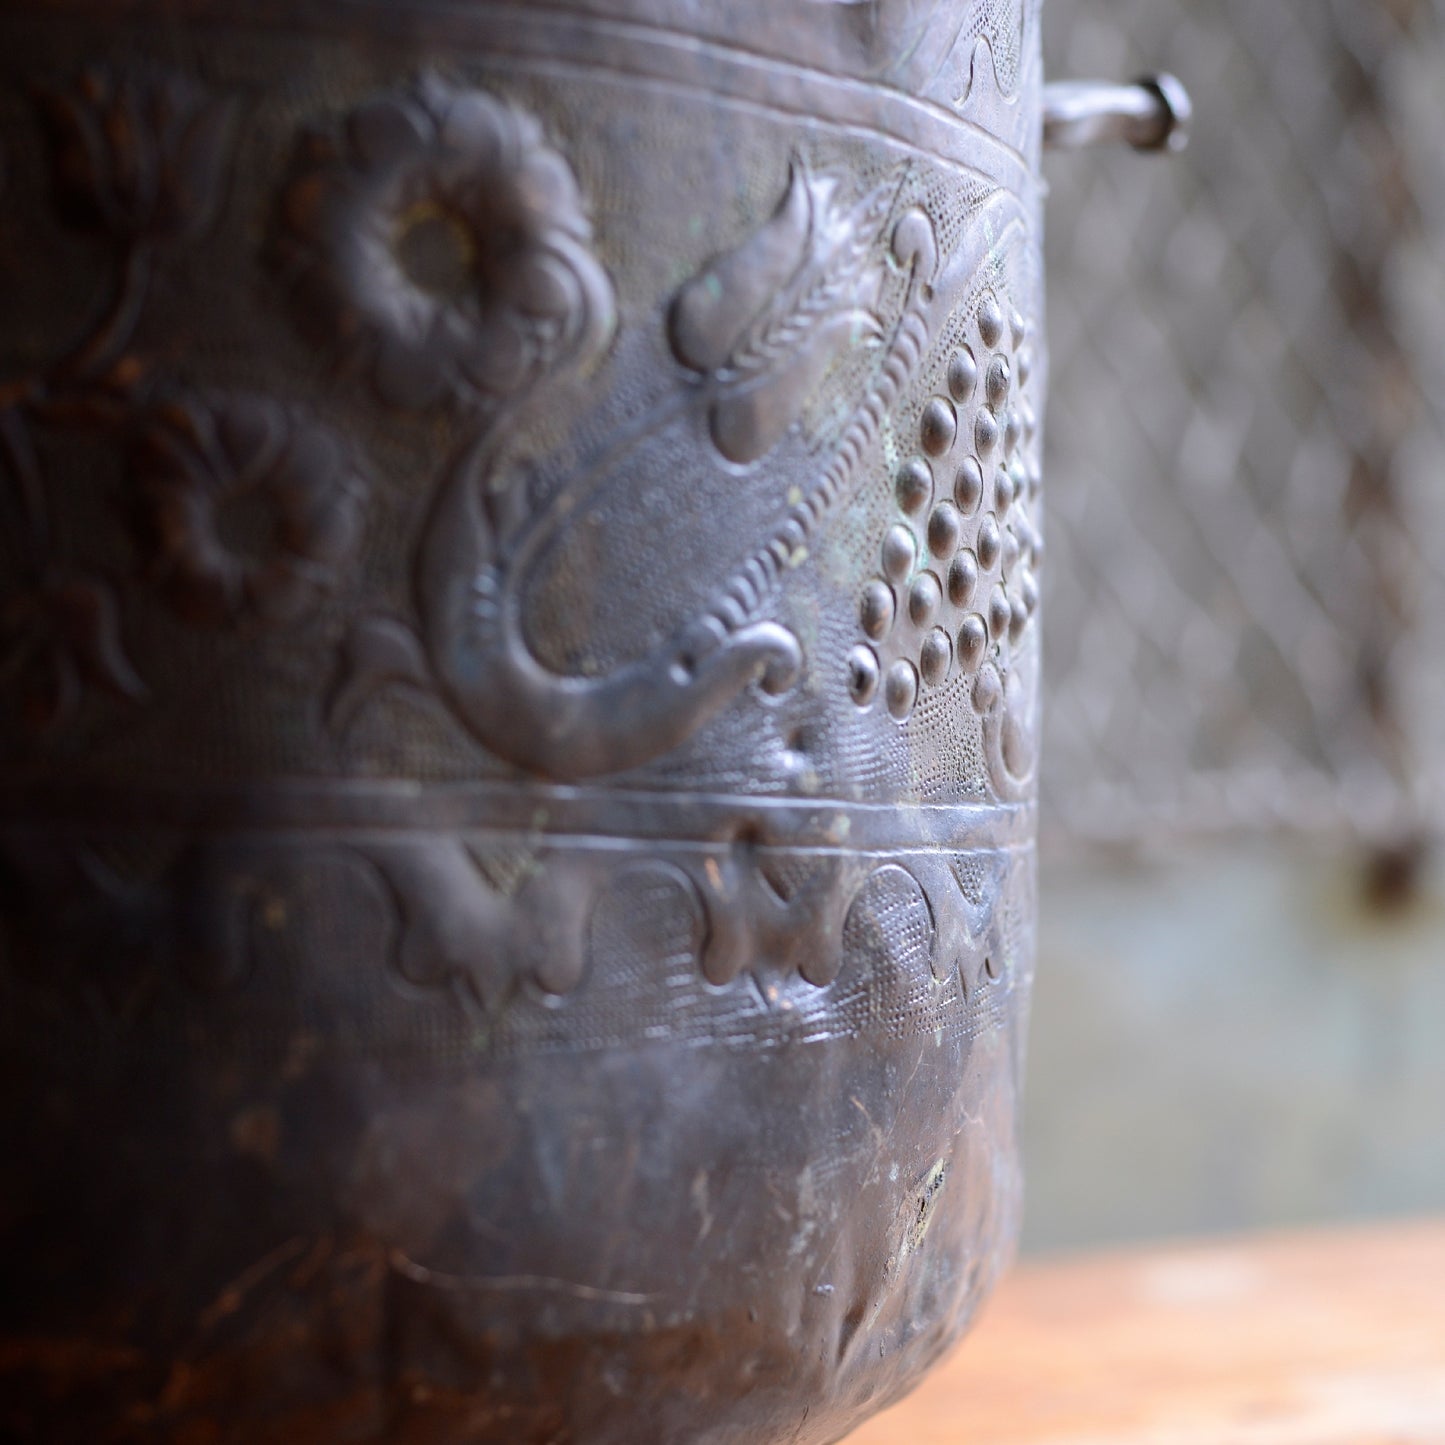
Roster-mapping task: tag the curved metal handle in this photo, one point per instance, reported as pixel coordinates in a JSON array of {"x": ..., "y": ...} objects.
[{"x": 1153, "y": 114}]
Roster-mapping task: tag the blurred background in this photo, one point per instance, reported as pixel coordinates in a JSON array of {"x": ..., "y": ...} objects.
[{"x": 1240, "y": 1009}]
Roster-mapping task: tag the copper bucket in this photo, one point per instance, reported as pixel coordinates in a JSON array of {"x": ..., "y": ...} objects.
[{"x": 521, "y": 553}]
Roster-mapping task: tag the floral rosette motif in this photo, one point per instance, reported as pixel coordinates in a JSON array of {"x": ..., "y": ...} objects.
[
  {"x": 248, "y": 509},
  {"x": 442, "y": 246}
]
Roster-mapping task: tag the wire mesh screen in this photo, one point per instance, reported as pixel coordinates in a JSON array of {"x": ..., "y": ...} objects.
[{"x": 1247, "y": 529}]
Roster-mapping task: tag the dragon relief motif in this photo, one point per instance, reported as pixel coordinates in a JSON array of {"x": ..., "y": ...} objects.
[
  {"x": 759, "y": 328},
  {"x": 442, "y": 246}
]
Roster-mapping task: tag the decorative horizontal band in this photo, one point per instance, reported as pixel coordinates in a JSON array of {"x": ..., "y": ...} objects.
[
  {"x": 569, "y": 43},
  {"x": 540, "y": 810}
]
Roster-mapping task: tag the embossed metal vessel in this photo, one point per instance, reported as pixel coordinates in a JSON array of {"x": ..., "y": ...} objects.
[{"x": 519, "y": 669}]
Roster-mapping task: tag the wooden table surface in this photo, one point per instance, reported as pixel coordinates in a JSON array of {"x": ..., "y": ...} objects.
[{"x": 1331, "y": 1338}]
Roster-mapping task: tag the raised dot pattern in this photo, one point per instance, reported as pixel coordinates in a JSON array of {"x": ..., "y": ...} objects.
[{"x": 957, "y": 585}]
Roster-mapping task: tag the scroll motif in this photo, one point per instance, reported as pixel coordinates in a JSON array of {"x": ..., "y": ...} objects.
[
  {"x": 783, "y": 915},
  {"x": 115, "y": 939},
  {"x": 482, "y": 921},
  {"x": 478, "y": 922}
]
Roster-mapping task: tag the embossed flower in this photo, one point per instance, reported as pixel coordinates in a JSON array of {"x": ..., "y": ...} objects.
[
  {"x": 138, "y": 154},
  {"x": 249, "y": 510},
  {"x": 443, "y": 245}
]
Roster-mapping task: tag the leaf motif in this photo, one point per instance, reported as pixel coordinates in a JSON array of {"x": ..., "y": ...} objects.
[
  {"x": 89, "y": 619},
  {"x": 78, "y": 155},
  {"x": 59, "y": 638},
  {"x": 769, "y": 318},
  {"x": 715, "y": 308},
  {"x": 380, "y": 652},
  {"x": 836, "y": 277},
  {"x": 52, "y": 694},
  {"x": 749, "y": 419},
  {"x": 18, "y": 460},
  {"x": 199, "y": 167},
  {"x": 138, "y": 152}
]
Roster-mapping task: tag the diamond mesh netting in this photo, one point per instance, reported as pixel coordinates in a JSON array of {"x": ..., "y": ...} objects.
[{"x": 1247, "y": 526}]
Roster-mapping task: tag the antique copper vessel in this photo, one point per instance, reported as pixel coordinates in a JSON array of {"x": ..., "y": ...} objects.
[{"x": 519, "y": 684}]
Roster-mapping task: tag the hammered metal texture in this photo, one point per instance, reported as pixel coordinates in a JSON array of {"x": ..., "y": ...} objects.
[{"x": 521, "y": 565}]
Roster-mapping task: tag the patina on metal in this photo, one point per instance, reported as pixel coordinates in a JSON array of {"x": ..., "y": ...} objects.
[{"x": 521, "y": 566}]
